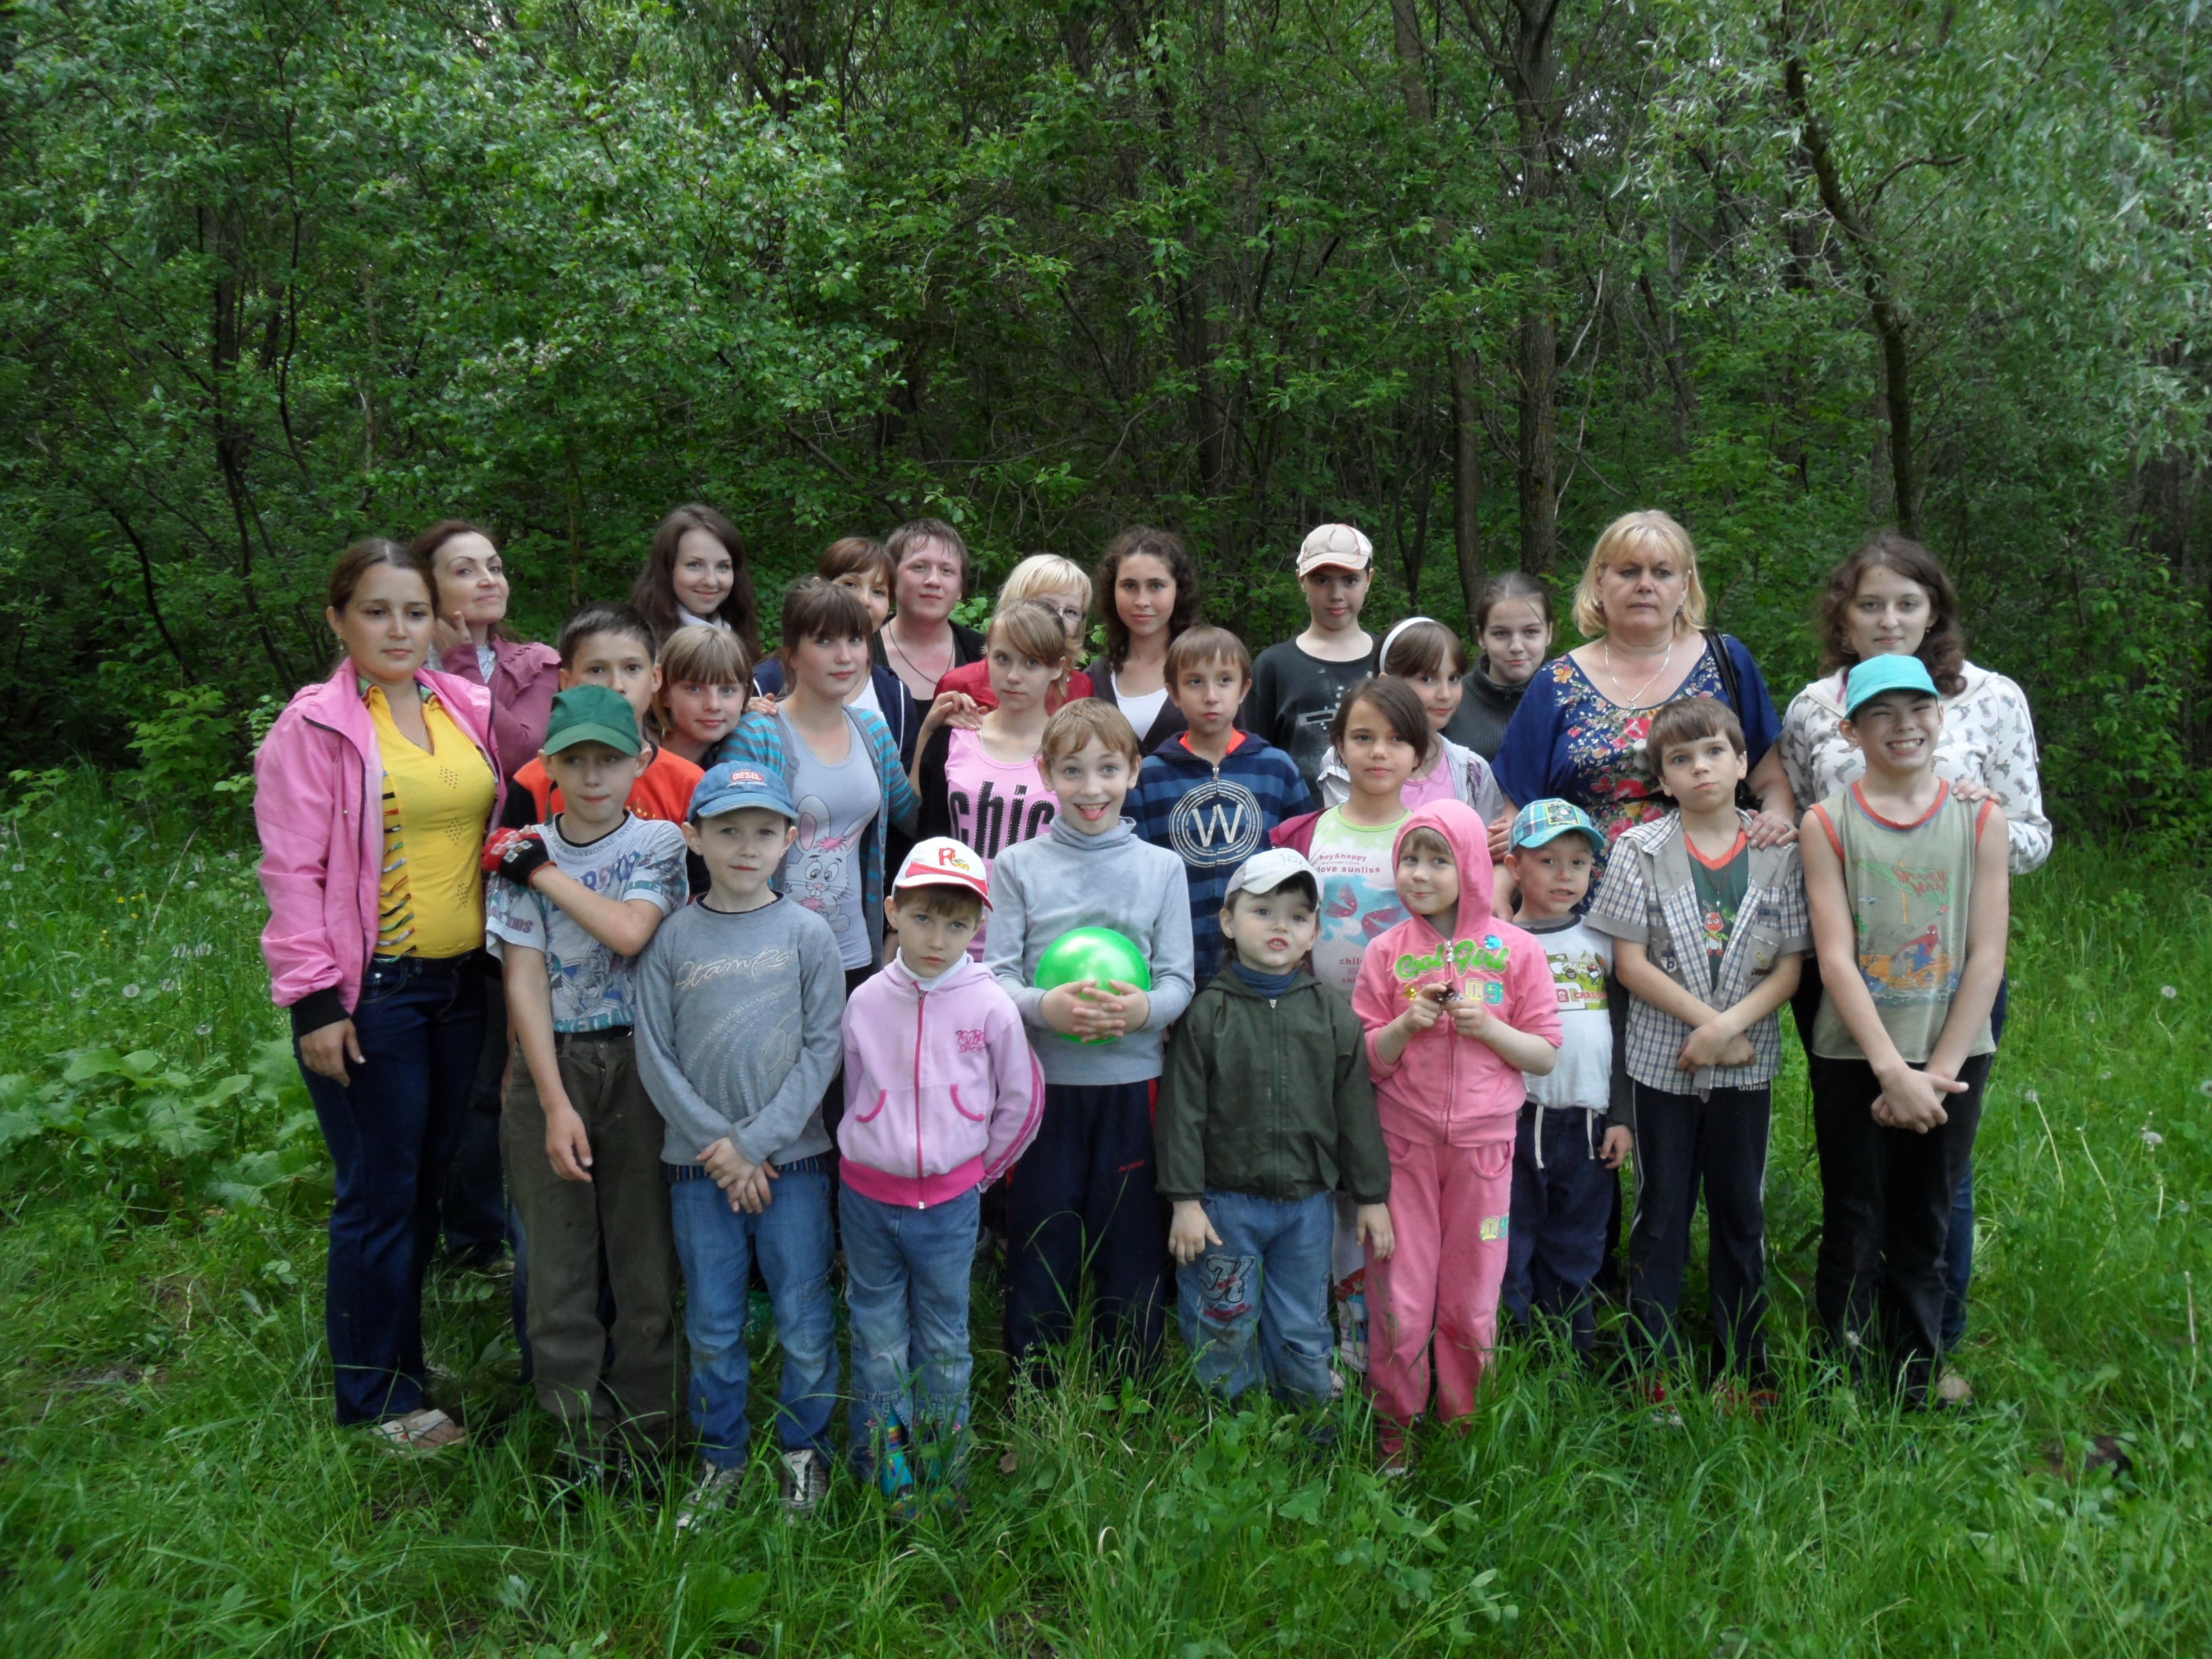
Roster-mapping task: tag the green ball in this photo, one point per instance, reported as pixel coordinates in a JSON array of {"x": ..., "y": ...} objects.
[{"x": 1099, "y": 953}]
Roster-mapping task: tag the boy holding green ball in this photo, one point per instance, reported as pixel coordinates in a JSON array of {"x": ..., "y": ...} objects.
[{"x": 1085, "y": 1191}]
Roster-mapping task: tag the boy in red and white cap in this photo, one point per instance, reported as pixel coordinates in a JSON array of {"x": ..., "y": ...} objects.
[
  {"x": 942, "y": 1094},
  {"x": 1297, "y": 685}
]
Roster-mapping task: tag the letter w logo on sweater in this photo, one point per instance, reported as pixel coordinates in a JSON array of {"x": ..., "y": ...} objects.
[{"x": 1216, "y": 822}]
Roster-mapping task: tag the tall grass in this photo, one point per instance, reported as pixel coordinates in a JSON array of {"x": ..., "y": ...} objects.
[{"x": 170, "y": 1481}]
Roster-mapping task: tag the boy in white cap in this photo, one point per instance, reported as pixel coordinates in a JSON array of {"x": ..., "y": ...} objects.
[
  {"x": 1297, "y": 685},
  {"x": 1265, "y": 1111},
  {"x": 942, "y": 1094}
]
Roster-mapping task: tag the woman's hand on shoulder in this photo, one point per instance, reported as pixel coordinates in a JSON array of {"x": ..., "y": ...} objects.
[
  {"x": 955, "y": 708},
  {"x": 1768, "y": 828}
]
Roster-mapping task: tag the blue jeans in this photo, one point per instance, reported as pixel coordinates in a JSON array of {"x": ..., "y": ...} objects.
[
  {"x": 1555, "y": 1240},
  {"x": 392, "y": 1133},
  {"x": 717, "y": 1246},
  {"x": 1268, "y": 1280},
  {"x": 906, "y": 1286}
]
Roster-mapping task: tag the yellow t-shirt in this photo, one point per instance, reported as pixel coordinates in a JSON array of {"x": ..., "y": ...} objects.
[{"x": 437, "y": 804}]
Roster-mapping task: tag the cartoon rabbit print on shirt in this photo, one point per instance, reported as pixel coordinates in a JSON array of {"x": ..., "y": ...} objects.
[{"x": 819, "y": 873}]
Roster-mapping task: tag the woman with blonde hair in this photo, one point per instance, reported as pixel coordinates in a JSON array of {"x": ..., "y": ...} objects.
[
  {"x": 1579, "y": 734},
  {"x": 1049, "y": 579}
]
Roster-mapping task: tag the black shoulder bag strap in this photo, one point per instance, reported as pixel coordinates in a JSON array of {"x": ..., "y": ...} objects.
[{"x": 1732, "y": 690}]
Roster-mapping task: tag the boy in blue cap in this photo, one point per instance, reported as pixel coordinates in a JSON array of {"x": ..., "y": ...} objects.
[
  {"x": 739, "y": 1005},
  {"x": 1573, "y": 1133},
  {"x": 1910, "y": 898}
]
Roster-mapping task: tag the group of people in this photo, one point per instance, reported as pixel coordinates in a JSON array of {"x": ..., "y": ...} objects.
[{"x": 677, "y": 964}]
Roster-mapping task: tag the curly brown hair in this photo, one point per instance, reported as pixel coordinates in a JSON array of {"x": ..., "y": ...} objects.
[
  {"x": 1167, "y": 548},
  {"x": 1943, "y": 649}
]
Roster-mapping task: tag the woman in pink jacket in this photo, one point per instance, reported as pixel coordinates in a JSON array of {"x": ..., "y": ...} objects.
[
  {"x": 372, "y": 794},
  {"x": 1458, "y": 1006}
]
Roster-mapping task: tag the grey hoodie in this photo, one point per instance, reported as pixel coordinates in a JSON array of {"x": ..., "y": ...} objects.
[
  {"x": 738, "y": 1030},
  {"x": 1064, "y": 878}
]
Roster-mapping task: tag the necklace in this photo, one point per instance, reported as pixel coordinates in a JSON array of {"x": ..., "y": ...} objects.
[
  {"x": 1635, "y": 700},
  {"x": 891, "y": 640}
]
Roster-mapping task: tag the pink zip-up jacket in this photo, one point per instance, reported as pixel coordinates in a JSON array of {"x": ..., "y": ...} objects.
[
  {"x": 1447, "y": 1090},
  {"x": 319, "y": 805},
  {"x": 942, "y": 1093}
]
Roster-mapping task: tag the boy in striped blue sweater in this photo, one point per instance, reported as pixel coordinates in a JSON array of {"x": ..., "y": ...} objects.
[{"x": 1211, "y": 795}]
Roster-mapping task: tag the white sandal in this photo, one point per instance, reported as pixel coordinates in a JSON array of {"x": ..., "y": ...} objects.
[{"x": 419, "y": 1434}]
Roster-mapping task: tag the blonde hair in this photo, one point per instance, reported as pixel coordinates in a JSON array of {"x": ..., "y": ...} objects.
[
  {"x": 1630, "y": 534},
  {"x": 1042, "y": 574},
  {"x": 1034, "y": 630},
  {"x": 706, "y": 655},
  {"x": 1080, "y": 721}
]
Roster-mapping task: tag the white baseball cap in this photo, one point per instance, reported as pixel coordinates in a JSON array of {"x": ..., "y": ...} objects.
[
  {"x": 941, "y": 861},
  {"x": 1337, "y": 544},
  {"x": 1263, "y": 873}
]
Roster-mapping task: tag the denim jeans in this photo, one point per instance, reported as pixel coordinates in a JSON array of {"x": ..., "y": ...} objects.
[
  {"x": 717, "y": 1246},
  {"x": 906, "y": 1286},
  {"x": 392, "y": 1133},
  {"x": 1684, "y": 1144},
  {"x": 1258, "y": 1305},
  {"x": 473, "y": 1210}
]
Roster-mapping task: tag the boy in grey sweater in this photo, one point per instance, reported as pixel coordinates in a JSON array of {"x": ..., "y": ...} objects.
[
  {"x": 739, "y": 1000},
  {"x": 1084, "y": 1191}
]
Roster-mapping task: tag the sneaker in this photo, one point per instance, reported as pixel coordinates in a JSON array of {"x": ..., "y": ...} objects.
[
  {"x": 1734, "y": 1398},
  {"x": 1393, "y": 1451},
  {"x": 805, "y": 1477},
  {"x": 710, "y": 1494},
  {"x": 1664, "y": 1410}
]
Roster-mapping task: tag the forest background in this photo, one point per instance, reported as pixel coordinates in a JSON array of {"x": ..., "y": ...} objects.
[{"x": 1476, "y": 274}]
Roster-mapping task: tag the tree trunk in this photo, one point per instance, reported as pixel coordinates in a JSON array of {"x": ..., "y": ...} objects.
[
  {"x": 1532, "y": 70},
  {"x": 1467, "y": 478},
  {"x": 1467, "y": 417},
  {"x": 1882, "y": 311}
]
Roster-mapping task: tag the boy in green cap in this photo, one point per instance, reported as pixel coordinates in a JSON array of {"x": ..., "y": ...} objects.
[{"x": 581, "y": 894}]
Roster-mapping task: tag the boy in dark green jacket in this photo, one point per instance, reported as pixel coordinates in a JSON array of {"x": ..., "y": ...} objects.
[{"x": 1265, "y": 1111}]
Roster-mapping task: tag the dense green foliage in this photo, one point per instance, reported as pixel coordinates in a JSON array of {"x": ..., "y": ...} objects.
[
  {"x": 1477, "y": 275},
  {"x": 170, "y": 1480}
]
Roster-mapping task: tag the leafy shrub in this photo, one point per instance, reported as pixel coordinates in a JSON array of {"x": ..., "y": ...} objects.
[{"x": 160, "y": 1137}]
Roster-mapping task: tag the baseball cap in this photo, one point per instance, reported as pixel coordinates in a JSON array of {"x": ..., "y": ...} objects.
[
  {"x": 734, "y": 785},
  {"x": 1263, "y": 873},
  {"x": 941, "y": 861},
  {"x": 1872, "y": 676},
  {"x": 1543, "y": 821},
  {"x": 1337, "y": 544},
  {"x": 592, "y": 714}
]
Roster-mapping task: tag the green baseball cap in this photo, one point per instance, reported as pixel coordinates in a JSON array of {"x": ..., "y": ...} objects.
[{"x": 592, "y": 714}]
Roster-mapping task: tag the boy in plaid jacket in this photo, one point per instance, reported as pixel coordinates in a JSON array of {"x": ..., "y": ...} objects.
[{"x": 1711, "y": 932}]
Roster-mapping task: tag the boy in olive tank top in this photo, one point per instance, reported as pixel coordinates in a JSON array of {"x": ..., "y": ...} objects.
[{"x": 1907, "y": 885}]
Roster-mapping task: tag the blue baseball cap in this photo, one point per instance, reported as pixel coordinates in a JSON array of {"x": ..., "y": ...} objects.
[
  {"x": 1543, "y": 821},
  {"x": 1869, "y": 677},
  {"x": 734, "y": 785}
]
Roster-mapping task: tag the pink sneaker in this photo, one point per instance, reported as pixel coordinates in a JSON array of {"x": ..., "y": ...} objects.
[{"x": 1393, "y": 1451}]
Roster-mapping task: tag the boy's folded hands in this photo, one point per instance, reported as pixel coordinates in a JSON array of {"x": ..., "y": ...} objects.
[
  {"x": 1080, "y": 1009},
  {"x": 1714, "y": 1044},
  {"x": 745, "y": 1182}
]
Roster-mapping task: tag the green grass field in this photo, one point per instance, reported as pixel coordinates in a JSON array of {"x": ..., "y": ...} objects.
[{"x": 171, "y": 1482}]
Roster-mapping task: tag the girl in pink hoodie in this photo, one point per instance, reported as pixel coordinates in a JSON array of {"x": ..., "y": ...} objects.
[{"x": 1458, "y": 1006}]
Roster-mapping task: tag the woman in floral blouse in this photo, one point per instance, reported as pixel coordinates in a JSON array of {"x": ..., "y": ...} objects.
[
  {"x": 1891, "y": 596},
  {"x": 1578, "y": 734}
]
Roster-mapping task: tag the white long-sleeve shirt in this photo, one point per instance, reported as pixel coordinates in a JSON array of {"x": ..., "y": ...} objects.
[{"x": 1988, "y": 738}]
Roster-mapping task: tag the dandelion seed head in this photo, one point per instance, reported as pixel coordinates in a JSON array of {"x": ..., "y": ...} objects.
[
  {"x": 202, "y": 1031},
  {"x": 129, "y": 990},
  {"x": 2168, "y": 992},
  {"x": 2152, "y": 1138}
]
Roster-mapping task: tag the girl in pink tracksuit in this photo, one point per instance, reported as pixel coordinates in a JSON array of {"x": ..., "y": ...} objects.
[
  {"x": 942, "y": 1094},
  {"x": 1457, "y": 1004}
]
